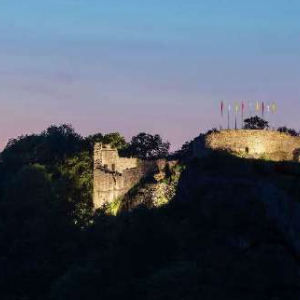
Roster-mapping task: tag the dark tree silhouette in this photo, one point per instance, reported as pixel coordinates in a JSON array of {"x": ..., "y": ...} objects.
[
  {"x": 213, "y": 130},
  {"x": 52, "y": 145},
  {"x": 289, "y": 131},
  {"x": 114, "y": 139},
  {"x": 256, "y": 123},
  {"x": 94, "y": 138},
  {"x": 58, "y": 143},
  {"x": 185, "y": 152},
  {"x": 147, "y": 146},
  {"x": 55, "y": 247}
]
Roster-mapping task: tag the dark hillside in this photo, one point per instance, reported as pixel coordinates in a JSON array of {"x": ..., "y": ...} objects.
[{"x": 230, "y": 232}]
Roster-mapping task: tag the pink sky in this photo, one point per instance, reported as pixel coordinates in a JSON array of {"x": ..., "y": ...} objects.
[{"x": 160, "y": 68}]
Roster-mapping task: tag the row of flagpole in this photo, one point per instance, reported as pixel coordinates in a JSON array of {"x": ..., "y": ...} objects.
[{"x": 254, "y": 109}]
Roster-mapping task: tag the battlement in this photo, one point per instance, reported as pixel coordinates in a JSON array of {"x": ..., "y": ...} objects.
[
  {"x": 271, "y": 145},
  {"x": 107, "y": 157}
]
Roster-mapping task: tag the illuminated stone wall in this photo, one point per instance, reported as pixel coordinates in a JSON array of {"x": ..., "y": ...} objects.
[
  {"x": 271, "y": 145},
  {"x": 114, "y": 176},
  {"x": 109, "y": 186},
  {"x": 109, "y": 158}
]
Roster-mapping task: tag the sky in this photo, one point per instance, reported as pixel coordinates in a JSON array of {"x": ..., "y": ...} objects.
[{"x": 145, "y": 66}]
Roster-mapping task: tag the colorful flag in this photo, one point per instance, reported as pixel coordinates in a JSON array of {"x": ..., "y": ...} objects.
[
  {"x": 222, "y": 108},
  {"x": 243, "y": 108},
  {"x": 229, "y": 109},
  {"x": 274, "y": 107},
  {"x": 257, "y": 106},
  {"x": 236, "y": 107}
]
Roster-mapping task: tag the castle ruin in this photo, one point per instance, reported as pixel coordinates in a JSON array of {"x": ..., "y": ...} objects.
[
  {"x": 114, "y": 176},
  {"x": 257, "y": 144}
]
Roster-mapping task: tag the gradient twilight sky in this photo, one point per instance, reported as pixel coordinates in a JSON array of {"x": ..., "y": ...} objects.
[{"x": 159, "y": 66}]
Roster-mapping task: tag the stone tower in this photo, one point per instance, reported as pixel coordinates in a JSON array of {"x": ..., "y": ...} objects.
[
  {"x": 114, "y": 176},
  {"x": 105, "y": 157}
]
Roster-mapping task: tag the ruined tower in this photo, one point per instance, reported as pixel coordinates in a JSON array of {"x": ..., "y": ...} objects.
[{"x": 114, "y": 176}]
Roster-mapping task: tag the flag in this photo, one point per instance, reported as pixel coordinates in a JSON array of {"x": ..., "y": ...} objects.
[
  {"x": 257, "y": 106},
  {"x": 263, "y": 109},
  {"x": 243, "y": 108},
  {"x": 222, "y": 108},
  {"x": 236, "y": 107},
  {"x": 274, "y": 107},
  {"x": 229, "y": 109}
]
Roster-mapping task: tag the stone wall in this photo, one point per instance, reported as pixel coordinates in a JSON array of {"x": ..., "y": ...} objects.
[
  {"x": 266, "y": 144},
  {"x": 108, "y": 158},
  {"x": 114, "y": 176},
  {"x": 124, "y": 163},
  {"x": 109, "y": 186}
]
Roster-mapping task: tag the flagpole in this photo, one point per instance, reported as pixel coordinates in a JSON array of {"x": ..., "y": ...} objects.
[
  {"x": 242, "y": 120},
  {"x": 222, "y": 112},
  {"x": 251, "y": 110},
  {"x": 236, "y": 109},
  {"x": 243, "y": 115},
  {"x": 274, "y": 110},
  {"x": 235, "y": 121},
  {"x": 229, "y": 117}
]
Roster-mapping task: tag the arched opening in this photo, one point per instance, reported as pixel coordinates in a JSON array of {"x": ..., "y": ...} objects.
[{"x": 247, "y": 150}]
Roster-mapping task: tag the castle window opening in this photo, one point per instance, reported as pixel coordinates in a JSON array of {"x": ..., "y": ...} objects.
[
  {"x": 113, "y": 167},
  {"x": 247, "y": 150}
]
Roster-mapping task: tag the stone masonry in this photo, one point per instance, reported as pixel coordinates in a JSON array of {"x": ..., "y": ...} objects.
[
  {"x": 271, "y": 145},
  {"x": 114, "y": 176}
]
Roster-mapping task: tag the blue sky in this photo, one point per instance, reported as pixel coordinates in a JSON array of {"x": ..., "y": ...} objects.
[{"x": 155, "y": 66}]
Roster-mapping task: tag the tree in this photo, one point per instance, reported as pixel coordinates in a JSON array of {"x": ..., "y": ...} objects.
[
  {"x": 92, "y": 139},
  {"x": 59, "y": 142},
  {"x": 147, "y": 146},
  {"x": 21, "y": 151},
  {"x": 256, "y": 123},
  {"x": 185, "y": 152},
  {"x": 114, "y": 139},
  {"x": 289, "y": 131}
]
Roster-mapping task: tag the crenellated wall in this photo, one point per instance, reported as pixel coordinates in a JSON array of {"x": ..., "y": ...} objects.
[
  {"x": 109, "y": 158},
  {"x": 266, "y": 144}
]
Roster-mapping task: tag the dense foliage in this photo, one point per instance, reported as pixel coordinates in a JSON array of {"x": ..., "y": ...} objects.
[
  {"x": 289, "y": 131},
  {"x": 215, "y": 240},
  {"x": 256, "y": 123},
  {"x": 148, "y": 146}
]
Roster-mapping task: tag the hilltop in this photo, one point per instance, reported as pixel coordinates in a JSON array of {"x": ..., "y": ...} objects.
[{"x": 213, "y": 227}]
